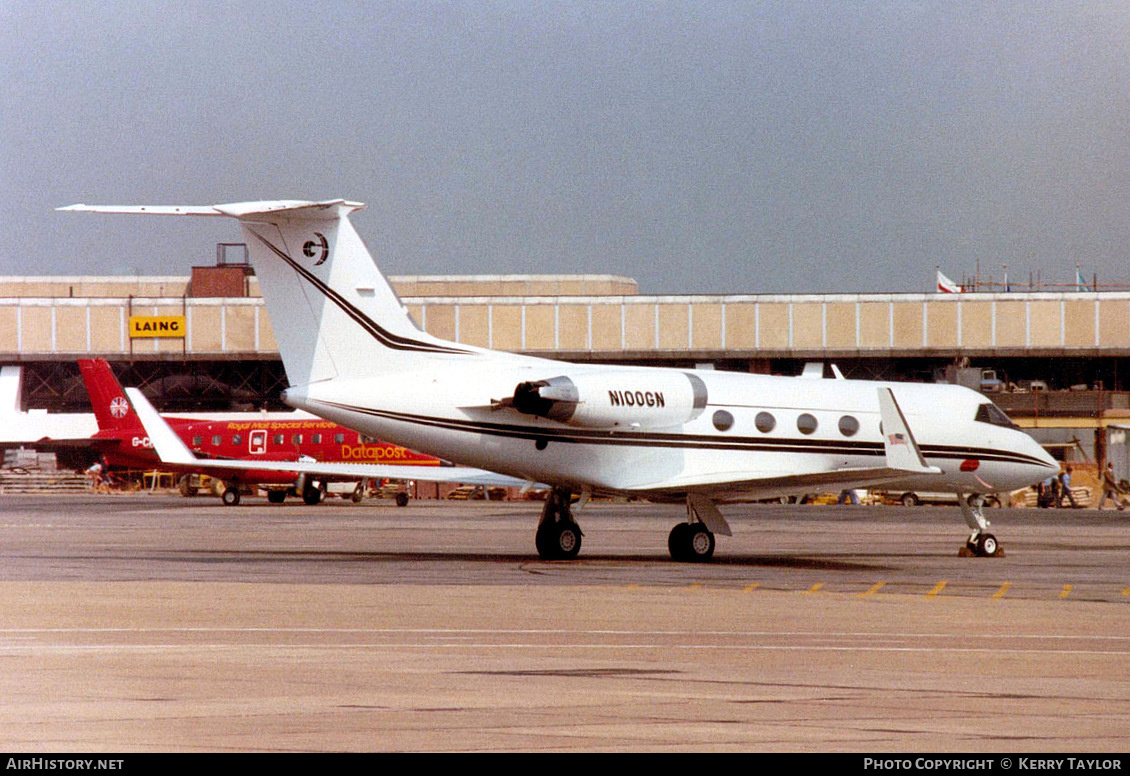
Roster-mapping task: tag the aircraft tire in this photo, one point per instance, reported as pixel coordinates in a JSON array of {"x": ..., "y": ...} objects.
[
  {"x": 186, "y": 488},
  {"x": 691, "y": 542},
  {"x": 276, "y": 496},
  {"x": 230, "y": 496},
  {"x": 312, "y": 495},
  {"x": 677, "y": 541},
  {"x": 402, "y": 499},
  {"x": 987, "y": 546},
  {"x": 543, "y": 540},
  {"x": 558, "y": 541},
  {"x": 701, "y": 544},
  {"x": 909, "y": 500}
]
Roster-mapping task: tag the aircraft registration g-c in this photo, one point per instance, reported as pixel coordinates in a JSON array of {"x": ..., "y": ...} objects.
[{"x": 697, "y": 437}]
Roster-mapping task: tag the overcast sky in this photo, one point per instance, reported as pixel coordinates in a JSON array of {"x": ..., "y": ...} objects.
[{"x": 699, "y": 147}]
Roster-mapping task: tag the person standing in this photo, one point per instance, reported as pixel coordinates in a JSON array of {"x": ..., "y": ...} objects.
[
  {"x": 1111, "y": 488},
  {"x": 96, "y": 473},
  {"x": 1065, "y": 488}
]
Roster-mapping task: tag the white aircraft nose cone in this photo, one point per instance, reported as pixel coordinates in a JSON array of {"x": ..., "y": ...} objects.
[{"x": 1047, "y": 466}]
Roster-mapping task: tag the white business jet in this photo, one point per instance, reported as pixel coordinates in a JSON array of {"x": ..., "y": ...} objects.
[{"x": 353, "y": 354}]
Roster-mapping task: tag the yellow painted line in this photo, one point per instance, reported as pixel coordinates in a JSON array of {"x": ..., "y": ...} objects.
[
  {"x": 698, "y": 586},
  {"x": 1004, "y": 589},
  {"x": 1065, "y": 592},
  {"x": 937, "y": 589},
  {"x": 751, "y": 587},
  {"x": 1126, "y": 591},
  {"x": 874, "y": 589},
  {"x": 815, "y": 588}
]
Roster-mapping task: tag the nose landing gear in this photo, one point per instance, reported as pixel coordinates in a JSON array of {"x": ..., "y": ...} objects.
[{"x": 981, "y": 544}]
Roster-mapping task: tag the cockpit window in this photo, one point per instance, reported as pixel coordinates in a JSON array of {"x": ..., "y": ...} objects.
[{"x": 991, "y": 413}]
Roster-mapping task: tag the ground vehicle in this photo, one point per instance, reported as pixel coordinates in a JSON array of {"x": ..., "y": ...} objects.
[
  {"x": 913, "y": 498},
  {"x": 990, "y": 383}
]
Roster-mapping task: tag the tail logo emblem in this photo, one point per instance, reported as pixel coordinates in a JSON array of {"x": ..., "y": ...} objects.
[
  {"x": 119, "y": 407},
  {"x": 318, "y": 247}
]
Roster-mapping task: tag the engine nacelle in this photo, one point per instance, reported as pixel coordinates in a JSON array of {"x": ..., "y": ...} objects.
[{"x": 619, "y": 399}]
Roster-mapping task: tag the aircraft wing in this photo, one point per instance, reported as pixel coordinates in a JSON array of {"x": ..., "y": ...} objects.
[
  {"x": 174, "y": 453},
  {"x": 903, "y": 459},
  {"x": 738, "y": 486}
]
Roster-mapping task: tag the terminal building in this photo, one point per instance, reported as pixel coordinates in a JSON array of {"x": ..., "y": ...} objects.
[{"x": 1057, "y": 362}]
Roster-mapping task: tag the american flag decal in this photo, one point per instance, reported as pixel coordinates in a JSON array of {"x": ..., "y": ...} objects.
[{"x": 896, "y": 439}]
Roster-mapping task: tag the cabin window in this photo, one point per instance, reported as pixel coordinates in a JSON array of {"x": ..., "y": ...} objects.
[
  {"x": 316, "y": 439},
  {"x": 339, "y": 439},
  {"x": 217, "y": 440},
  {"x": 849, "y": 426},
  {"x": 237, "y": 439},
  {"x": 279, "y": 438},
  {"x": 765, "y": 422},
  {"x": 806, "y": 424},
  {"x": 296, "y": 439},
  {"x": 723, "y": 420},
  {"x": 197, "y": 441}
]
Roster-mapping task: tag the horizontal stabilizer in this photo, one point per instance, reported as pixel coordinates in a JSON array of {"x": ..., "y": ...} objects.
[
  {"x": 147, "y": 210},
  {"x": 293, "y": 208}
]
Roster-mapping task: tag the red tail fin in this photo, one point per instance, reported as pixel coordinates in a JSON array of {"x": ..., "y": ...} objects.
[{"x": 111, "y": 408}]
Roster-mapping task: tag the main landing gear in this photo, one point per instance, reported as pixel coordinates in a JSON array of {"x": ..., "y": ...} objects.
[
  {"x": 230, "y": 496},
  {"x": 691, "y": 542},
  {"x": 313, "y": 494},
  {"x": 558, "y": 536},
  {"x": 980, "y": 544}
]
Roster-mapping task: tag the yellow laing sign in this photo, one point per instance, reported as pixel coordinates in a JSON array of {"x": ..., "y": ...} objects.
[{"x": 156, "y": 326}]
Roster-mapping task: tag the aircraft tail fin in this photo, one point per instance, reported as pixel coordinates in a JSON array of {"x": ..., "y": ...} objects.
[
  {"x": 332, "y": 311},
  {"x": 111, "y": 410}
]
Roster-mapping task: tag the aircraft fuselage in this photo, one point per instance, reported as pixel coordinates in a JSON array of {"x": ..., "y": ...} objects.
[{"x": 750, "y": 426}]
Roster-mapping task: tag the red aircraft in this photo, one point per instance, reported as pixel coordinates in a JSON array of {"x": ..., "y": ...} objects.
[{"x": 123, "y": 442}]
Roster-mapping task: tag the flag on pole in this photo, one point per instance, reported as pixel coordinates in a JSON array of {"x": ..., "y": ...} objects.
[{"x": 947, "y": 286}]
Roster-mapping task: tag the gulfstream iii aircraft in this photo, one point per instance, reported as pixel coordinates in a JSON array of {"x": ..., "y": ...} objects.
[{"x": 353, "y": 355}]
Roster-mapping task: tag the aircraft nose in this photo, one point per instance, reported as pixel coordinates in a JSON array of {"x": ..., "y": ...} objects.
[{"x": 1046, "y": 465}]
